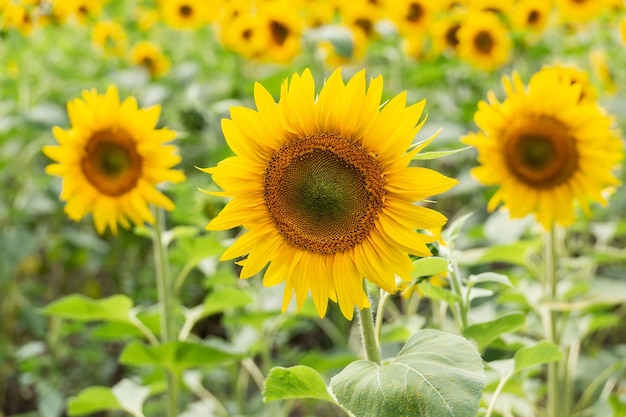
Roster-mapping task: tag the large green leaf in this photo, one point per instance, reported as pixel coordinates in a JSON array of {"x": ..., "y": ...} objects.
[
  {"x": 176, "y": 356},
  {"x": 92, "y": 400},
  {"x": 78, "y": 307},
  {"x": 295, "y": 382},
  {"x": 436, "y": 374},
  {"x": 484, "y": 333}
]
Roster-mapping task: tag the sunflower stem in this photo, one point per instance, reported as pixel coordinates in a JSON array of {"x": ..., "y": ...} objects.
[
  {"x": 368, "y": 334},
  {"x": 380, "y": 311},
  {"x": 555, "y": 404},
  {"x": 166, "y": 304}
]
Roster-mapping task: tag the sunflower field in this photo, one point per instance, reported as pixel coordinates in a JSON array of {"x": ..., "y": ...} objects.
[{"x": 294, "y": 208}]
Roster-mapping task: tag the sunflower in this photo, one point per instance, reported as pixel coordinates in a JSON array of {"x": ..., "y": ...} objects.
[
  {"x": 445, "y": 32},
  {"x": 545, "y": 149},
  {"x": 531, "y": 15},
  {"x": 111, "y": 159},
  {"x": 412, "y": 16},
  {"x": 150, "y": 56},
  {"x": 484, "y": 40},
  {"x": 243, "y": 34},
  {"x": 282, "y": 27},
  {"x": 185, "y": 14},
  {"x": 81, "y": 10},
  {"x": 18, "y": 17},
  {"x": 110, "y": 37},
  {"x": 581, "y": 10},
  {"x": 325, "y": 189},
  {"x": 502, "y": 7}
]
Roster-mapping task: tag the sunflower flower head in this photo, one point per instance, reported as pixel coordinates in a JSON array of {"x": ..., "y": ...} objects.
[
  {"x": 111, "y": 160},
  {"x": 545, "y": 148},
  {"x": 324, "y": 188}
]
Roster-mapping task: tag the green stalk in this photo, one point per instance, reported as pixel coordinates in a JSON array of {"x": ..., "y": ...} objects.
[
  {"x": 380, "y": 311},
  {"x": 368, "y": 334},
  {"x": 166, "y": 305},
  {"x": 555, "y": 405},
  {"x": 457, "y": 288}
]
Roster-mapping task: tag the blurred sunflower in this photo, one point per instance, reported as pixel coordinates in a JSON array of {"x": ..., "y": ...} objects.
[
  {"x": 484, "y": 41},
  {"x": 545, "y": 149},
  {"x": 243, "y": 34},
  {"x": 581, "y": 10},
  {"x": 412, "y": 16},
  {"x": 502, "y": 7},
  {"x": 324, "y": 187},
  {"x": 109, "y": 36},
  {"x": 531, "y": 15},
  {"x": 361, "y": 18},
  {"x": 111, "y": 159},
  {"x": 150, "y": 57},
  {"x": 185, "y": 14},
  {"x": 283, "y": 28},
  {"x": 318, "y": 12},
  {"x": 445, "y": 32},
  {"x": 18, "y": 17},
  {"x": 622, "y": 30},
  {"x": 81, "y": 10}
]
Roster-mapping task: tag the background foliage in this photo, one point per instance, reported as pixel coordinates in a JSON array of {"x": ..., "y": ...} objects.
[{"x": 61, "y": 356}]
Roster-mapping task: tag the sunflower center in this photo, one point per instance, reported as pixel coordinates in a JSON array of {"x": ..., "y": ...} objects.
[
  {"x": 324, "y": 192},
  {"x": 415, "y": 12},
  {"x": 483, "y": 41},
  {"x": 366, "y": 25},
  {"x": 185, "y": 10},
  {"x": 111, "y": 162},
  {"x": 279, "y": 32},
  {"x": 542, "y": 154},
  {"x": 452, "y": 35},
  {"x": 148, "y": 63},
  {"x": 533, "y": 17}
]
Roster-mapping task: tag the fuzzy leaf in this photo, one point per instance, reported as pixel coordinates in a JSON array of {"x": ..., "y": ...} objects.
[
  {"x": 295, "y": 382},
  {"x": 176, "y": 356},
  {"x": 92, "y": 400},
  {"x": 485, "y": 333},
  {"x": 78, "y": 307},
  {"x": 542, "y": 352},
  {"x": 436, "y": 374}
]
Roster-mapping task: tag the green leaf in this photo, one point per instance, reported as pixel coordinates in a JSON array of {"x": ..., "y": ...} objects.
[
  {"x": 224, "y": 299},
  {"x": 514, "y": 253},
  {"x": 438, "y": 293},
  {"x": 78, "y": 307},
  {"x": 452, "y": 232},
  {"x": 423, "y": 156},
  {"x": 484, "y": 333},
  {"x": 542, "y": 352},
  {"x": 436, "y": 374},
  {"x": 131, "y": 396},
  {"x": 295, "y": 382},
  {"x": 618, "y": 405},
  {"x": 175, "y": 356},
  {"x": 426, "y": 267},
  {"x": 92, "y": 400},
  {"x": 490, "y": 277}
]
